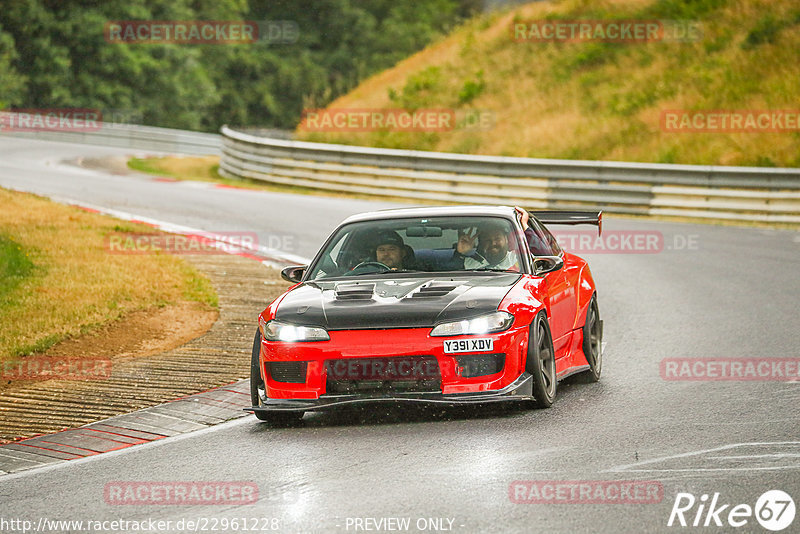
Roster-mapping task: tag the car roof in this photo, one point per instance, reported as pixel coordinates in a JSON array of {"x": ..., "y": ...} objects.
[{"x": 432, "y": 211}]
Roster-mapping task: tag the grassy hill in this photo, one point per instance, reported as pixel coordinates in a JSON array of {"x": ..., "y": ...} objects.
[{"x": 600, "y": 100}]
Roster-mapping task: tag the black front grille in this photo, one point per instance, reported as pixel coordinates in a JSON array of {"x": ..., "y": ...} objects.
[
  {"x": 473, "y": 365},
  {"x": 288, "y": 372},
  {"x": 383, "y": 375}
]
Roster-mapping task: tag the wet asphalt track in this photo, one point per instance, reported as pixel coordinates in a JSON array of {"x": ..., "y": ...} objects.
[{"x": 734, "y": 294}]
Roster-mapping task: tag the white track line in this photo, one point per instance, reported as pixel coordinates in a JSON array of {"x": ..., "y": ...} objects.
[
  {"x": 128, "y": 450},
  {"x": 629, "y": 467},
  {"x": 275, "y": 254}
]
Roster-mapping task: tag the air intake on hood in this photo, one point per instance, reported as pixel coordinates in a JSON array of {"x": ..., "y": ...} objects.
[
  {"x": 434, "y": 289},
  {"x": 355, "y": 291}
]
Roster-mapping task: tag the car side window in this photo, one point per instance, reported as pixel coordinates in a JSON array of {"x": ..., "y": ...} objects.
[
  {"x": 540, "y": 241},
  {"x": 552, "y": 241}
]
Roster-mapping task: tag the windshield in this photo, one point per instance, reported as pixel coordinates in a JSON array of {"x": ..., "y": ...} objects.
[{"x": 432, "y": 244}]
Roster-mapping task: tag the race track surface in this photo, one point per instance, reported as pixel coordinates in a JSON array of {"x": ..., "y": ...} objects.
[{"x": 710, "y": 291}]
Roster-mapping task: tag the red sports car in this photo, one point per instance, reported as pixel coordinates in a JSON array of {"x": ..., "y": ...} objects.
[{"x": 454, "y": 305}]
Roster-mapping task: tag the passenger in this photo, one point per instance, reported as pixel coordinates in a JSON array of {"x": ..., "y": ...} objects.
[
  {"x": 492, "y": 251},
  {"x": 492, "y": 247}
]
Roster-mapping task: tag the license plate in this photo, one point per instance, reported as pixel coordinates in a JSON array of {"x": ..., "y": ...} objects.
[{"x": 480, "y": 344}]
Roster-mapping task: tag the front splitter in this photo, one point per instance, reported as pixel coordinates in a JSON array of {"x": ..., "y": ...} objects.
[{"x": 519, "y": 390}]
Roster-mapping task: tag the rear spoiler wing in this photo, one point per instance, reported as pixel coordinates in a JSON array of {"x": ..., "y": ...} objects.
[{"x": 570, "y": 217}]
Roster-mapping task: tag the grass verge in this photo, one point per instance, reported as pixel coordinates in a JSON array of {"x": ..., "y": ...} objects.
[
  {"x": 598, "y": 100},
  {"x": 200, "y": 168},
  {"x": 60, "y": 281},
  {"x": 15, "y": 266}
]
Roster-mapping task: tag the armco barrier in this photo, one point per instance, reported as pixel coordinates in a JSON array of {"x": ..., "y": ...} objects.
[
  {"x": 693, "y": 191},
  {"x": 130, "y": 136}
]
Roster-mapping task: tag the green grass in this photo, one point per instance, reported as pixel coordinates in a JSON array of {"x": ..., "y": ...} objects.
[
  {"x": 15, "y": 266},
  {"x": 197, "y": 287},
  {"x": 144, "y": 165},
  {"x": 40, "y": 345},
  {"x": 178, "y": 168},
  {"x": 600, "y": 100},
  {"x": 58, "y": 279}
]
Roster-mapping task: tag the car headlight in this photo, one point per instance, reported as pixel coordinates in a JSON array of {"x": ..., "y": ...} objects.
[
  {"x": 278, "y": 331},
  {"x": 485, "y": 324}
]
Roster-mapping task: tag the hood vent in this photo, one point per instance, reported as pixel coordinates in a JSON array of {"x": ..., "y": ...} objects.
[
  {"x": 434, "y": 289},
  {"x": 355, "y": 291}
]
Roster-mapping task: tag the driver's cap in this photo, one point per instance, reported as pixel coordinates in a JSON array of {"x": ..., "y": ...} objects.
[{"x": 389, "y": 237}]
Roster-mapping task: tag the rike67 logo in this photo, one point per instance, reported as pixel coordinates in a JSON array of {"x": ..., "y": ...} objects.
[{"x": 774, "y": 510}]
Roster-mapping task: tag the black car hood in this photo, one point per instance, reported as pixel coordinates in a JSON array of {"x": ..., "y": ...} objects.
[{"x": 399, "y": 302}]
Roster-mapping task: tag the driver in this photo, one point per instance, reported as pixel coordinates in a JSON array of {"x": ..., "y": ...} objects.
[{"x": 390, "y": 249}]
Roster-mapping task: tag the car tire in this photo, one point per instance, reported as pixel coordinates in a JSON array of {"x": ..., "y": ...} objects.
[
  {"x": 257, "y": 382},
  {"x": 592, "y": 344},
  {"x": 541, "y": 362}
]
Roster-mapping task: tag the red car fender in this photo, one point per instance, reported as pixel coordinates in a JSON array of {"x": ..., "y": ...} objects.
[
  {"x": 521, "y": 302},
  {"x": 269, "y": 313},
  {"x": 586, "y": 289}
]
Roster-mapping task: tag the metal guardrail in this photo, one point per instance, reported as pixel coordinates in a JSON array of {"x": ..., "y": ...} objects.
[
  {"x": 126, "y": 136},
  {"x": 693, "y": 191}
]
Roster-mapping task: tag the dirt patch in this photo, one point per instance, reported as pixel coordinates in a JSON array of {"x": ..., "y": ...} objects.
[
  {"x": 113, "y": 164},
  {"x": 145, "y": 371},
  {"x": 141, "y": 333}
]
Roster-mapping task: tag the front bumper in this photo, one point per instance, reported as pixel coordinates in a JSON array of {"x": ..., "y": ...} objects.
[
  {"x": 312, "y": 380},
  {"x": 519, "y": 390}
]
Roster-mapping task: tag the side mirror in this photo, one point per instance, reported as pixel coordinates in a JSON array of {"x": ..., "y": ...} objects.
[
  {"x": 546, "y": 264},
  {"x": 294, "y": 273}
]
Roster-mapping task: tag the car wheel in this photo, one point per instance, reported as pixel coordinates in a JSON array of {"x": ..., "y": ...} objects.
[
  {"x": 592, "y": 343},
  {"x": 257, "y": 383},
  {"x": 541, "y": 362}
]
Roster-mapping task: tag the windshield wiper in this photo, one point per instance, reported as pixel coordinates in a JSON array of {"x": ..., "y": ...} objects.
[
  {"x": 365, "y": 273},
  {"x": 385, "y": 271},
  {"x": 493, "y": 270}
]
